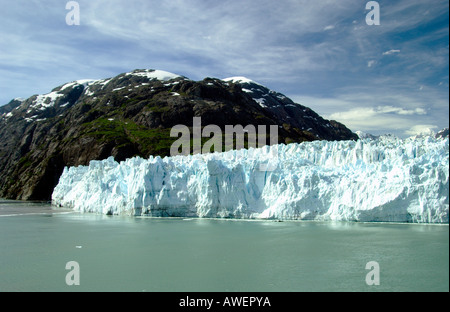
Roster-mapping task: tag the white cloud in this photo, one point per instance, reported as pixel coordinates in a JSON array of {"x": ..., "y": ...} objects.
[
  {"x": 421, "y": 129},
  {"x": 371, "y": 63},
  {"x": 329, "y": 27},
  {"x": 391, "y": 52},
  {"x": 399, "y": 110},
  {"x": 369, "y": 119},
  {"x": 378, "y": 109}
]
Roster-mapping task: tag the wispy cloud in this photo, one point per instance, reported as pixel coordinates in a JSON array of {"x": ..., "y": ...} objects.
[
  {"x": 383, "y": 111},
  {"x": 374, "y": 119},
  {"x": 391, "y": 52}
]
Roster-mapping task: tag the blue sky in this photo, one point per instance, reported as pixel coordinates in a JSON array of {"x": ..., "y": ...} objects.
[{"x": 391, "y": 78}]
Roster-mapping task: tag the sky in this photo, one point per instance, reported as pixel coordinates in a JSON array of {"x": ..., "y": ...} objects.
[{"x": 386, "y": 78}]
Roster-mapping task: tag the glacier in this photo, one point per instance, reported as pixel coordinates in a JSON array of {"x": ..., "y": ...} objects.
[{"x": 386, "y": 179}]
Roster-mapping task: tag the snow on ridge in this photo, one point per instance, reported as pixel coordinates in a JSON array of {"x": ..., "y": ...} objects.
[
  {"x": 44, "y": 101},
  {"x": 240, "y": 79},
  {"x": 82, "y": 82},
  {"x": 387, "y": 179},
  {"x": 257, "y": 93},
  {"x": 154, "y": 74}
]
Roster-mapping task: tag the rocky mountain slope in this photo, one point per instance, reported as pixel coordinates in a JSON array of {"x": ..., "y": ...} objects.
[{"x": 132, "y": 115}]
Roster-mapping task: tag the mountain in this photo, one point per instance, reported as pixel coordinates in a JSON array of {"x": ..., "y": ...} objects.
[
  {"x": 442, "y": 134},
  {"x": 365, "y": 135},
  {"x": 132, "y": 114},
  {"x": 10, "y": 106}
]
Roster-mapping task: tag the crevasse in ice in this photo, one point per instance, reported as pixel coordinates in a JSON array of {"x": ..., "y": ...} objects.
[{"x": 383, "y": 179}]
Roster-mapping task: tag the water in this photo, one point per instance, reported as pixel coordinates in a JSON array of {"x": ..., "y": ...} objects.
[{"x": 144, "y": 254}]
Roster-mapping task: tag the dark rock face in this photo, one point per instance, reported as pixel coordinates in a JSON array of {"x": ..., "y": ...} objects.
[
  {"x": 132, "y": 115},
  {"x": 442, "y": 134}
]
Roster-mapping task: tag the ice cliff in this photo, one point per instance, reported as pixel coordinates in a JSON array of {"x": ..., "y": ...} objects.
[{"x": 383, "y": 179}]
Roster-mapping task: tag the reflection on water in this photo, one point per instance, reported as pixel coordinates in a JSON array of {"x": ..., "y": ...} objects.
[{"x": 148, "y": 254}]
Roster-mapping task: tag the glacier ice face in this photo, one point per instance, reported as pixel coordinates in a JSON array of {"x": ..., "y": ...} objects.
[{"x": 383, "y": 179}]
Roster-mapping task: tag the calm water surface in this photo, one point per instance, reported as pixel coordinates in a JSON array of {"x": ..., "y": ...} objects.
[{"x": 145, "y": 254}]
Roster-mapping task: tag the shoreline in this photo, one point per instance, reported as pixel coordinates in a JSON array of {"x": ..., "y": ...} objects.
[
  {"x": 45, "y": 208},
  {"x": 12, "y": 208}
]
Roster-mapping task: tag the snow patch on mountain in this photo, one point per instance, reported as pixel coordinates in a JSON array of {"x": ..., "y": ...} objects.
[
  {"x": 154, "y": 74},
  {"x": 44, "y": 101},
  {"x": 81, "y": 82},
  {"x": 240, "y": 80}
]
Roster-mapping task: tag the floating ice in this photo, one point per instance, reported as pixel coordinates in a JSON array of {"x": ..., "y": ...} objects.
[{"x": 383, "y": 179}]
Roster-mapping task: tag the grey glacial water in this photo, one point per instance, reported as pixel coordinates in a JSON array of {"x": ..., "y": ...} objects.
[{"x": 151, "y": 254}]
